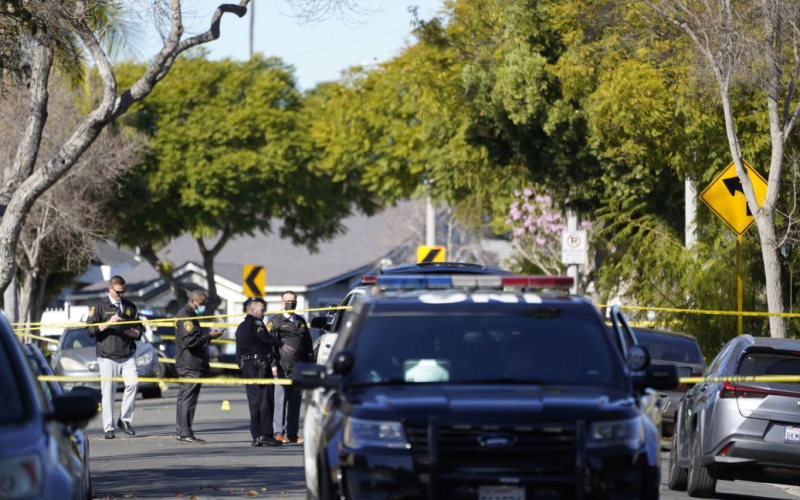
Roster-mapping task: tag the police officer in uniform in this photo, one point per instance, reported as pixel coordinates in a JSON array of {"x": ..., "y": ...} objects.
[
  {"x": 191, "y": 361},
  {"x": 292, "y": 330},
  {"x": 116, "y": 349},
  {"x": 257, "y": 357}
]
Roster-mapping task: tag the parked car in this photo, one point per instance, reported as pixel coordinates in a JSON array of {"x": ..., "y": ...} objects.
[
  {"x": 77, "y": 437},
  {"x": 677, "y": 349},
  {"x": 746, "y": 431},
  {"x": 77, "y": 357},
  {"x": 36, "y": 447},
  {"x": 465, "y": 387}
]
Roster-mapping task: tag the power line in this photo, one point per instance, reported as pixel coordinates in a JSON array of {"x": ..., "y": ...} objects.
[{"x": 343, "y": 44}]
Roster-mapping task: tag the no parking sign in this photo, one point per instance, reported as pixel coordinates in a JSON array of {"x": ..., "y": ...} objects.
[{"x": 574, "y": 247}]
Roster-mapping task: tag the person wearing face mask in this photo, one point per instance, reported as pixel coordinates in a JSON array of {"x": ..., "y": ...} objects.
[
  {"x": 256, "y": 352},
  {"x": 292, "y": 330},
  {"x": 116, "y": 349},
  {"x": 191, "y": 361}
]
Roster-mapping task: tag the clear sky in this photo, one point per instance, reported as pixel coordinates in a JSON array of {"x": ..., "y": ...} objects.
[{"x": 319, "y": 51}]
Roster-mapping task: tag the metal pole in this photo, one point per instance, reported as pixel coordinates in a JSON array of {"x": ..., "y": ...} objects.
[
  {"x": 252, "y": 24},
  {"x": 690, "y": 212},
  {"x": 739, "y": 283},
  {"x": 430, "y": 222},
  {"x": 573, "y": 269}
]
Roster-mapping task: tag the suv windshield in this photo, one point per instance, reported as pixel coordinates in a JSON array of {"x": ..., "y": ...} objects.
[
  {"x": 475, "y": 348},
  {"x": 77, "y": 338}
]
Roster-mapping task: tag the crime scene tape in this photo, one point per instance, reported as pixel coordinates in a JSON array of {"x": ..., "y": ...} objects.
[
  {"x": 165, "y": 321},
  {"x": 204, "y": 381},
  {"x": 702, "y": 311}
]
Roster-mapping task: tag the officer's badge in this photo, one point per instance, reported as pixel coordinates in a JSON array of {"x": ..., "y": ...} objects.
[
  {"x": 91, "y": 311},
  {"x": 128, "y": 311},
  {"x": 188, "y": 326},
  {"x": 269, "y": 327}
]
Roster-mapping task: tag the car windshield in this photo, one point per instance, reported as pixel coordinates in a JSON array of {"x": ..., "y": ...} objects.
[
  {"x": 663, "y": 347},
  {"x": 758, "y": 363},
  {"x": 77, "y": 338},
  {"x": 474, "y": 348},
  {"x": 10, "y": 396}
]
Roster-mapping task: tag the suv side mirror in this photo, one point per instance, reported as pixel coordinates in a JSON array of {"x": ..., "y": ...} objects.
[
  {"x": 658, "y": 377},
  {"x": 73, "y": 410},
  {"x": 320, "y": 322},
  {"x": 311, "y": 376},
  {"x": 343, "y": 363}
]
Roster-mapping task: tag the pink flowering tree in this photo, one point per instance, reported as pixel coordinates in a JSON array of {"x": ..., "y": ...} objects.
[{"x": 536, "y": 227}]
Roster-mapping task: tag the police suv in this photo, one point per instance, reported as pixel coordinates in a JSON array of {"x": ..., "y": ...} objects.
[{"x": 480, "y": 387}]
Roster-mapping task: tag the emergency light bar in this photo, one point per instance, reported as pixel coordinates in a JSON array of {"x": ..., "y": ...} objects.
[
  {"x": 442, "y": 282},
  {"x": 369, "y": 280}
]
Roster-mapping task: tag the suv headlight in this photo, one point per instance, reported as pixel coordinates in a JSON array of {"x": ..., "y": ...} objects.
[
  {"x": 20, "y": 477},
  {"x": 359, "y": 433},
  {"x": 72, "y": 365},
  {"x": 144, "y": 359},
  {"x": 617, "y": 433}
]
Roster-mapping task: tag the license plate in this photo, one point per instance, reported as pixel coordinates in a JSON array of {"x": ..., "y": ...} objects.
[
  {"x": 503, "y": 492},
  {"x": 792, "y": 435}
]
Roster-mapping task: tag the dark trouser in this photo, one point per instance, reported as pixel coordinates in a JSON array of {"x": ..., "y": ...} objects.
[
  {"x": 259, "y": 401},
  {"x": 287, "y": 408},
  {"x": 188, "y": 394}
]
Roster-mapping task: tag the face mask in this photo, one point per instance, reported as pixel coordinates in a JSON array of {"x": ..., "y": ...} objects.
[
  {"x": 290, "y": 305},
  {"x": 200, "y": 309}
]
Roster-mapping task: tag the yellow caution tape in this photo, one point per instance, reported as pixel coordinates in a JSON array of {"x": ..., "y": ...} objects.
[
  {"x": 145, "y": 380},
  {"x": 163, "y": 321},
  {"x": 754, "y": 378},
  {"x": 37, "y": 337},
  {"x": 703, "y": 311}
]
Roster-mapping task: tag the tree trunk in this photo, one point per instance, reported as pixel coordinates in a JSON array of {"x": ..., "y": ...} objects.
[
  {"x": 27, "y": 292},
  {"x": 152, "y": 258},
  {"x": 36, "y": 314},
  {"x": 772, "y": 272},
  {"x": 211, "y": 284}
]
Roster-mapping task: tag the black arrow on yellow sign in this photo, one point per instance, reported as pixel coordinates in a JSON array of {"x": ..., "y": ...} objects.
[
  {"x": 432, "y": 253},
  {"x": 252, "y": 288},
  {"x": 735, "y": 184}
]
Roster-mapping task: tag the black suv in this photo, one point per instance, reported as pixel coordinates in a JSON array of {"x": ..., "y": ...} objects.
[{"x": 479, "y": 387}]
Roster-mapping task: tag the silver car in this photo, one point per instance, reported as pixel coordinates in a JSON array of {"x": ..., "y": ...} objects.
[
  {"x": 740, "y": 430},
  {"x": 77, "y": 357}
]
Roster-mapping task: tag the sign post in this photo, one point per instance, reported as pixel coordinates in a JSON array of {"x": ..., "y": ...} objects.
[
  {"x": 725, "y": 197},
  {"x": 253, "y": 281}
]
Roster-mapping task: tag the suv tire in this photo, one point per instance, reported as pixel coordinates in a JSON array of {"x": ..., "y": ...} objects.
[
  {"x": 677, "y": 474},
  {"x": 700, "y": 484}
]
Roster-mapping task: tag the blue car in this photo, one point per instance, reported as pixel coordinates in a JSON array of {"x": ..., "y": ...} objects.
[{"x": 36, "y": 459}]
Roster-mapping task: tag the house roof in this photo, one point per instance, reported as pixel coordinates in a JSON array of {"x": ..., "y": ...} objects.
[{"x": 365, "y": 241}]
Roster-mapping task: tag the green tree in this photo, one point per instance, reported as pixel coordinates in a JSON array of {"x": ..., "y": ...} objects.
[{"x": 229, "y": 152}]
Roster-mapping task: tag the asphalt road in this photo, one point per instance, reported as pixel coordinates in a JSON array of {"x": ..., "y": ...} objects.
[{"x": 153, "y": 464}]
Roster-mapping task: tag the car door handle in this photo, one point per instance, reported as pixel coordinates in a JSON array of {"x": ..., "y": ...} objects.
[{"x": 703, "y": 387}]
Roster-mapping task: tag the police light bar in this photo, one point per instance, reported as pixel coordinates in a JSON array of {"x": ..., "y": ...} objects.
[
  {"x": 369, "y": 280},
  {"x": 473, "y": 281}
]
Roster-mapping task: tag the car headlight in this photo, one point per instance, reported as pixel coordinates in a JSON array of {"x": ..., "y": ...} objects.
[
  {"x": 617, "y": 433},
  {"x": 359, "y": 433},
  {"x": 144, "y": 359},
  {"x": 20, "y": 477},
  {"x": 72, "y": 365}
]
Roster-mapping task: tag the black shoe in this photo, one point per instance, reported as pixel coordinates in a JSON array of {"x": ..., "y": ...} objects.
[
  {"x": 191, "y": 440},
  {"x": 109, "y": 434},
  {"x": 255, "y": 443},
  {"x": 126, "y": 427},
  {"x": 269, "y": 441}
]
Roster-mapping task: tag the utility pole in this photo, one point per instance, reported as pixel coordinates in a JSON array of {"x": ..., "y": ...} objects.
[
  {"x": 252, "y": 25},
  {"x": 690, "y": 212},
  {"x": 573, "y": 269}
]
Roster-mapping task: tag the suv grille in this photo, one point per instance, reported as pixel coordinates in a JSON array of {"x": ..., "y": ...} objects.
[{"x": 456, "y": 458}]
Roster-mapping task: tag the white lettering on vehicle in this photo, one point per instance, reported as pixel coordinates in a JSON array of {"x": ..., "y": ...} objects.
[
  {"x": 450, "y": 298},
  {"x": 532, "y": 298},
  {"x": 483, "y": 298}
]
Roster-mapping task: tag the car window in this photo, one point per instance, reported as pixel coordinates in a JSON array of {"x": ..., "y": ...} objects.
[
  {"x": 476, "y": 348},
  {"x": 716, "y": 364},
  {"x": 757, "y": 363},
  {"x": 47, "y": 391},
  {"x": 664, "y": 347},
  {"x": 77, "y": 338},
  {"x": 10, "y": 395}
]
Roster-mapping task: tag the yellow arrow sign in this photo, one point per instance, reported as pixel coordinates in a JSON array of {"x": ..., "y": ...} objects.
[
  {"x": 431, "y": 254},
  {"x": 725, "y": 197},
  {"x": 253, "y": 280}
]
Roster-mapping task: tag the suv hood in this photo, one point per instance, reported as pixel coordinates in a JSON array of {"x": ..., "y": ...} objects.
[{"x": 501, "y": 403}]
